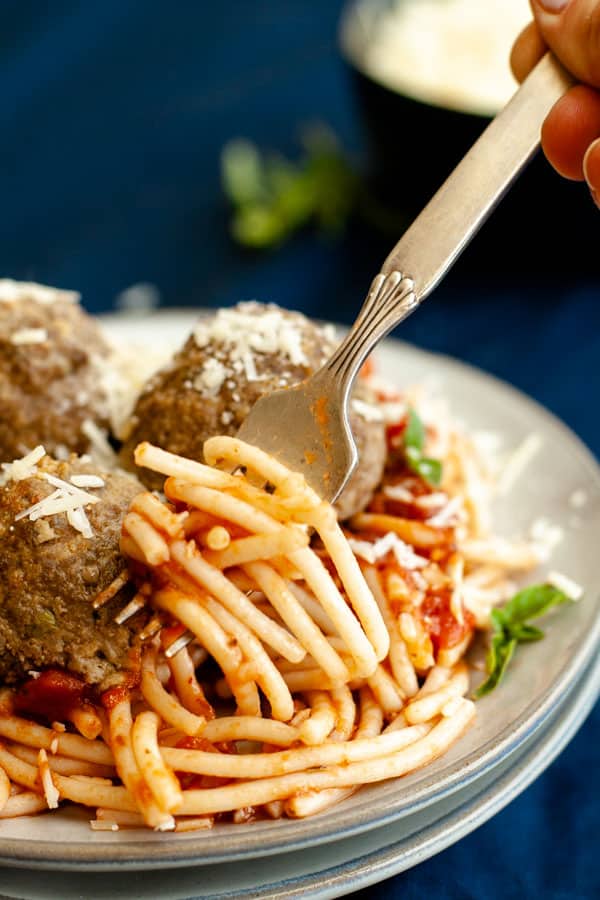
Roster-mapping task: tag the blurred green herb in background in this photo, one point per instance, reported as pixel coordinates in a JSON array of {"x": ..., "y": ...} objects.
[{"x": 272, "y": 197}]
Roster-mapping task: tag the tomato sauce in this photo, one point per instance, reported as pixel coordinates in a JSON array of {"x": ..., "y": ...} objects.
[
  {"x": 440, "y": 623},
  {"x": 53, "y": 695}
]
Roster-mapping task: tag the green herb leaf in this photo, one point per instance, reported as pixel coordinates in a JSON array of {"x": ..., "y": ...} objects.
[
  {"x": 510, "y": 627},
  {"x": 273, "y": 197},
  {"x": 498, "y": 659},
  {"x": 430, "y": 470},
  {"x": 531, "y": 603},
  {"x": 242, "y": 173},
  {"x": 414, "y": 434},
  {"x": 524, "y": 634}
]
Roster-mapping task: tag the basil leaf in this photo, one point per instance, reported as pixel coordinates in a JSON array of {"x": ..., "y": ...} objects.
[
  {"x": 497, "y": 619},
  {"x": 258, "y": 226},
  {"x": 510, "y": 627},
  {"x": 272, "y": 197},
  {"x": 525, "y": 633},
  {"x": 242, "y": 173},
  {"x": 531, "y": 603},
  {"x": 499, "y": 656},
  {"x": 414, "y": 434},
  {"x": 491, "y": 661},
  {"x": 429, "y": 469}
]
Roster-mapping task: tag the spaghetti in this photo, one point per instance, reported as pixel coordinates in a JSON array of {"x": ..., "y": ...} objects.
[{"x": 288, "y": 659}]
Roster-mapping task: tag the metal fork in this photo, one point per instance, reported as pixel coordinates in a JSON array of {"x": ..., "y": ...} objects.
[{"x": 306, "y": 426}]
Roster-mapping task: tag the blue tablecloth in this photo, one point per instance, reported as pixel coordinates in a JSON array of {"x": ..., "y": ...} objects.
[{"x": 112, "y": 117}]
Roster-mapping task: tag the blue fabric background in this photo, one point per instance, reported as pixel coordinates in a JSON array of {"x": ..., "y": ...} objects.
[{"x": 112, "y": 116}]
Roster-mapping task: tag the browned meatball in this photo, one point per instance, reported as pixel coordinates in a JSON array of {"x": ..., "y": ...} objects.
[
  {"x": 368, "y": 428},
  {"x": 50, "y": 573},
  {"x": 231, "y": 359},
  {"x": 51, "y": 359}
]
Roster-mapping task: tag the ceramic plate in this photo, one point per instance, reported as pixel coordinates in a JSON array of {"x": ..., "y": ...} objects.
[
  {"x": 338, "y": 868},
  {"x": 540, "y": 676}
]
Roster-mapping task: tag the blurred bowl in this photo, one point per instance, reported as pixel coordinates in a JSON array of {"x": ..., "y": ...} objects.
[{"x": 428, "y": 76}]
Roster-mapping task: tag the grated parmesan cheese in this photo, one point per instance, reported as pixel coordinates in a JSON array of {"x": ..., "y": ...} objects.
[
  {"x": 406, "y": 556},
  {"x": 29, "y": 336},
  {"x": 364, "y": 549},
  {"x": 398, "y": 492},
  {"x": 78, "y": 520},
  {"x": 244, "y": 334},
  {"x": 12, "y": 291},
  {"x": 371, "y": 552},
  {"x": 89, "y": 481},
  {"x": 69, "y": 488},
  {"x": 368, "y": 411},
  {"x": 19, "y": 469},
  {"x": 393, "y": 411},
  {"x": 448, "y": 514},
  {"x": 211, "y": 378},
  {"x": 570, "y": 588},
  {"x": 50, "y": 791},
  {"x": 427, "y": 501},
  {"x": 68, "y": 498}
]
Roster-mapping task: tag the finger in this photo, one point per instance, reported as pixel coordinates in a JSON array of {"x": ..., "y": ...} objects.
[
  {"x": 591, "y": 170},
  {"x": 571, "y": 126},
  {"x": 527, "y": 50},
  {"x": 571, "y": 28}
]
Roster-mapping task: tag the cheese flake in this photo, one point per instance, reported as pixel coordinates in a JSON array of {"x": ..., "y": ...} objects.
[
  {"x": 211, "y": 378},
  {"x": 68, "y": 498},
  {"x": 373, "y": 551},
  {"x": 29, "y": 336},
  {"x": 563, "y": 583},
  {"x": 398, "y": 492},
  {"x": 245, "y": 331},
  {"x": 87, "y": 481},
  {"x": 12, "y": 291},
  {"x": 367, "y": 411},
  {"x": 22, "y": 468}
]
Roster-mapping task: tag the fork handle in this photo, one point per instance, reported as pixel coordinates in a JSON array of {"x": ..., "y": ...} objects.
[{"x": 443, "y": 229}]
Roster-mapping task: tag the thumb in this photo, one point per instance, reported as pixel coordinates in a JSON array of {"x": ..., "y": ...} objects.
[{"x": 571, "y": 28}]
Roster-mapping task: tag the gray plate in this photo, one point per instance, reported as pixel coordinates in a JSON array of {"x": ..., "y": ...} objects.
[
  {"x": 344, "y": 866},
  {"x": 540, "y": 676}
]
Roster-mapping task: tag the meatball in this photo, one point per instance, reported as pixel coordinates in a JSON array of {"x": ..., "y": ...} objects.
[
  {"x": 50, "y": 573},
  {"x": 231, "y": 359},
  {"x": 368, "y": 428},
  {"x": 51, "y": 359}
]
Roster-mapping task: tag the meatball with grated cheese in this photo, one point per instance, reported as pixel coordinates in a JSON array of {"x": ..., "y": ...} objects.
[
  {"x": 52, "y": 356},
  {"x": 54, "y": 563},
  {"x": 231, "y": 359}
]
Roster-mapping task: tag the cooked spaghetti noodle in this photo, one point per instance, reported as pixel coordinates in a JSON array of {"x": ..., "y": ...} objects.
[{"x": 287, "y": 660}]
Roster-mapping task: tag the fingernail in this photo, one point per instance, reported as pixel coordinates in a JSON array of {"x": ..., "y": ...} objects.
[
  {"x": 553, "y": 6},
  {"x": 591, "y": 170}
]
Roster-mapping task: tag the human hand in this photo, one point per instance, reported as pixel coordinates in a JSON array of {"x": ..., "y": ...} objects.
[{"x": 571, "y": 132}]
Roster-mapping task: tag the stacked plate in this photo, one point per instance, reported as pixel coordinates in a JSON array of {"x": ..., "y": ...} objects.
[{"x": 388, "y": 827}]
